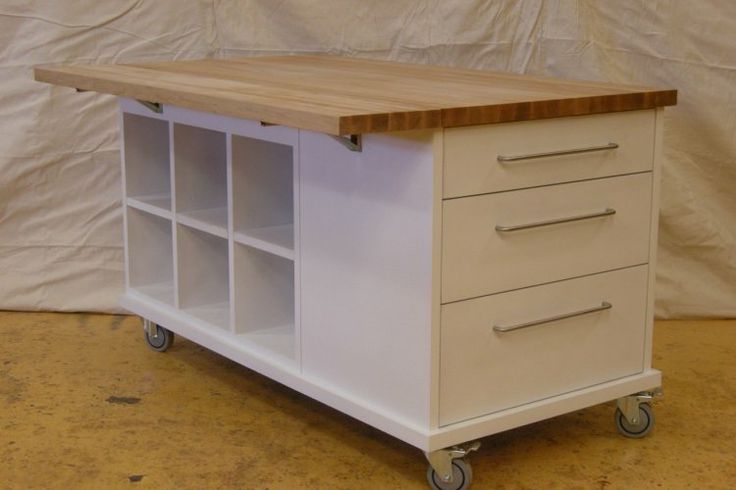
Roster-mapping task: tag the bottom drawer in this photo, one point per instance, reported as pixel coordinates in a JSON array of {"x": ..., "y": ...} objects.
[{"x": 484, "y": 369}]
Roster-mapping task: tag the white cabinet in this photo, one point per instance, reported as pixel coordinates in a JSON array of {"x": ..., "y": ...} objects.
[{"x": 425, "y": 285}]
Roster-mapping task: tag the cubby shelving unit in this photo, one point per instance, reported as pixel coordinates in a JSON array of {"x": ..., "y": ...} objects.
[{"x": 210, "y": 221}]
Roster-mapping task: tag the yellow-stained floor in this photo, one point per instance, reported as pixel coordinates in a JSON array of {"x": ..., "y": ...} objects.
[{"x": 85, "y": 405}]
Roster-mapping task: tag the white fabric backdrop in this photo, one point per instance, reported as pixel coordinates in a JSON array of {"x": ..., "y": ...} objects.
[{"x": 60, "y": 221}]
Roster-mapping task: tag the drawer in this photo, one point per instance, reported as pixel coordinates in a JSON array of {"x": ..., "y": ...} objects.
[
  {"x": 471, "y": 155},
  {"x": 483, "y": 370},
  {"x": 478, "y": 258}
]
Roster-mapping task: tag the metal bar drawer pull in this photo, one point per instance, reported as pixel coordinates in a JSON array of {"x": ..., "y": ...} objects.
[
  {"x": 508, "y": 328},
  {"x": 570, "y": 151},
  {"x": 556, "y": 221}
]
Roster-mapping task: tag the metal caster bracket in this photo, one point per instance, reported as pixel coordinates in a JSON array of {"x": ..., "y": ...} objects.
[
  {"x": 629, "y": 405},
  {"x": 441, "y": 460},
  {"x": 150, "y": 328}
]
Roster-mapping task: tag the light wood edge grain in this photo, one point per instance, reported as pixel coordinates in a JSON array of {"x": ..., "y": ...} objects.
[
  {"x": 501, "y": 113},
  {"x": 181, "y": 98}
]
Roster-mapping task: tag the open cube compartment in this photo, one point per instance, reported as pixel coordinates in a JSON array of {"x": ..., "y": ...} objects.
[
  {"x": 203, "y": 276},
  {"x": 264, "y": 304},
  {"x": 147, "y": 165},
  {"x": 263, "y": 195},
  {"x": 200, "y": 164},
  {"x": 150, "y": 255}
]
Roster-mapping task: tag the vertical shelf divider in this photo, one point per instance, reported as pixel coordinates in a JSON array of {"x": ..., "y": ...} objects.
[
  {"x": 230, "y": 213},
  {"x": 297, "y": 253},
  {"x": 174, "y": 231},
  {"x": 123, "y": 181}
]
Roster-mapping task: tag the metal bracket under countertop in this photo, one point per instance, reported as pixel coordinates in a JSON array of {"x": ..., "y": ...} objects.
[
  {"x": 156, "y": 107},
  {"x": 353, "y": 142}
]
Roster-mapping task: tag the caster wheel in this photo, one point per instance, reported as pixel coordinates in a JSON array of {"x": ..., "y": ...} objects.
[
  {"x": 642, "y": 428},
  {"x": 161, "y": 341},
  {"x": 462, "y": 475}
]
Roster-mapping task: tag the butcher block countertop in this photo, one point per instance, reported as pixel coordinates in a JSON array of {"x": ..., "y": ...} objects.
[{"x": 353, "y": 96}]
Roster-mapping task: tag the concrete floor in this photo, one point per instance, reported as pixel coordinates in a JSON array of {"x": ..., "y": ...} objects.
[{"x": 85, "y": 405}]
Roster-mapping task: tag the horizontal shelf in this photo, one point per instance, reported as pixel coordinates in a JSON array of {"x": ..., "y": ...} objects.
[
  {"x": 217, "y": 314},
  {"x": 278, "y": 240},
  {"x": 213, "y": 221},
  {"x": 158, "y": 204},
  {"x": 279, "y": 340},
  {"x": 163, "y": 291}
]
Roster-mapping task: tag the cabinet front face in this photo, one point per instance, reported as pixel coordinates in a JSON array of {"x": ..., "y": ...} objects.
[
  {"x": 501, "y": 157},
  {"x": 514, "y": 348},
  {"x": 498, "y": 242},
  {"x": 546, "y": 241}
]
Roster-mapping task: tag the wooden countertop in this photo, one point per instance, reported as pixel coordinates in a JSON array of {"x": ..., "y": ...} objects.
[{"x": 352, "y": 96}]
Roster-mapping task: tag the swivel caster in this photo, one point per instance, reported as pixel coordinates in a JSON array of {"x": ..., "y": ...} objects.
[
  {"x": 462, "y": 475},
  {"x": 157, "y": 337},
  {"x": 449, "y": 469},
  {"x": 634, "y": 416}
]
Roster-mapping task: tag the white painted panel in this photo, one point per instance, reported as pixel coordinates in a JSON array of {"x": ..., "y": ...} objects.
[
  {"x": 212, "y": 220},
  {"x": 366, "y": 278},
  {"x": 158, "y": 204},
  {"x": 546, "y": 408},
  {"x": 471, "y": 153},
  {"x": 483, "y": 371},
  {"x": 277, "y": 240},
  {"x": 477, "y": 259}
]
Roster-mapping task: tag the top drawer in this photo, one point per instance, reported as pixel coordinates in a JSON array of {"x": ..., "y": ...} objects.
[{"x": 472, "y": 164}]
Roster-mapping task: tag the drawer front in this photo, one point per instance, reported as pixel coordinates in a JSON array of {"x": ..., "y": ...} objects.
[
  {"x": 479, "y": 259},
  {"x": 472, "y": 154},
  {"x": 483, "y": 370}
]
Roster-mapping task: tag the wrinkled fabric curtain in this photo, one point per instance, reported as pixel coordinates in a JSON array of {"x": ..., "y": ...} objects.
[{"x": 60, "y": 218}]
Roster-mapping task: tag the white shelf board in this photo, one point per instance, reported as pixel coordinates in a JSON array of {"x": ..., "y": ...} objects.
[
  {"x": 279, "y": 340},
  {"x": 217, "y": 314},
  {"x": 278, "y": 240},
  {"x": 162, "y": 291},
  {"x": 158, "y": 204},
  {"x": 213, "y": 221}
]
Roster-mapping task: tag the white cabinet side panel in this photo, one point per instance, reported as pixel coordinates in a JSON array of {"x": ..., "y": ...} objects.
[{"x": 366, "y": 268}]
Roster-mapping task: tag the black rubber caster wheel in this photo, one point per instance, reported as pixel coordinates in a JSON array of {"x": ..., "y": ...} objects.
[
  {"x": 161, "y": 340},
  {"x": 462, "y": 475},
  {"x": 641, "y": 428}
]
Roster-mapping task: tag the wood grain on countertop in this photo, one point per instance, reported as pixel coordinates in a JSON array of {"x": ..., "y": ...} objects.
[{"x": 346, "y": 95}]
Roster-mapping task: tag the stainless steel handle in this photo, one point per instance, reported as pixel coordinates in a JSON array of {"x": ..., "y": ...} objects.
[
  {"x": 556, "y": 221},
  {"x": 571, "y": 151},
  {"x": 508, "y": 328}
]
